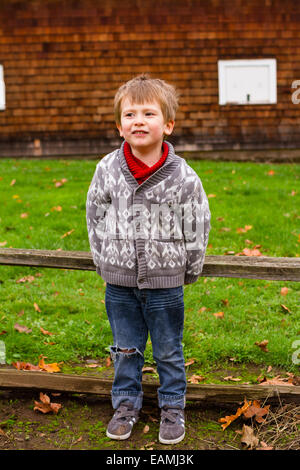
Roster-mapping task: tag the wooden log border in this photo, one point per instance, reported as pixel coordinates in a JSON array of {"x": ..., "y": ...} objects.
[
  {"x": 253, "y": 267},
  {"x": 210, "y": 393}
]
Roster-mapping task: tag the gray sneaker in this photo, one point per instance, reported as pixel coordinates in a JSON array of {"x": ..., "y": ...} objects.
[
  {"x": 120, "y": 426},
  {"x": 172, "y": 428}
]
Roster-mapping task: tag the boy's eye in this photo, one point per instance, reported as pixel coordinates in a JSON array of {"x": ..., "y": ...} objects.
[{"x": 149, "y": 113}]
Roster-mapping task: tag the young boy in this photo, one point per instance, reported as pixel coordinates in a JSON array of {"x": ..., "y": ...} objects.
[{"x": 148, "y": 223}]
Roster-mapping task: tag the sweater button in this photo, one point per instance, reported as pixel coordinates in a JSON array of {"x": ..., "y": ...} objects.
[{"x": 141, "y": 281}]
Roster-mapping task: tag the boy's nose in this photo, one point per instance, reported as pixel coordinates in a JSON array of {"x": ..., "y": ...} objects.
[{"x": 139, "y": 120}]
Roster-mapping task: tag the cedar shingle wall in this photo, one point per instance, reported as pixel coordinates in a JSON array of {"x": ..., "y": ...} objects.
[{"x": 64, "y": 60}]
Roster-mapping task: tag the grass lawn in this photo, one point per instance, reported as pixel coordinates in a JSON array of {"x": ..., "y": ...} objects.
[{"x": 38, "y": 213}]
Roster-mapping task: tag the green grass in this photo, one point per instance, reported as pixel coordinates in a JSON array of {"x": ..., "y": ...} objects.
[{"x": 72, "y": 302}]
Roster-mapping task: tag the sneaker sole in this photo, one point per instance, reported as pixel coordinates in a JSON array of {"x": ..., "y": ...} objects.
[
  {"x": 117, "y": 437},
  {"x": 171, "y": 441}
]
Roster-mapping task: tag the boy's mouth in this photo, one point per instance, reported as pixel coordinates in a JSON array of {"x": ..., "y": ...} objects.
[{"x": 139, "y": 132}]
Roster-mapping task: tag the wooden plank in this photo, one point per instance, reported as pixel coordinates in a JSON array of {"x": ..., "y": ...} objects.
[
  {"x": 254, "y": 267},
  {"x": 210, "y": 393}
]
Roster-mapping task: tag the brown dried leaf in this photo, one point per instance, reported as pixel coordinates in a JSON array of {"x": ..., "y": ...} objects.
[
  {"x": 234, "y": 379},
  {"x": 264, "y": 446},
  {"x": 36, "y": 307},
  {"x": 45, "y": 332},
  {"x": 284, "y": 290},
  {"x": 67, "y": 233},
  {"x": 219, "y": 314},
  {"x": 195, "y": 379},
  {"x": 54, "y": 367},
  {"x": 21, "y": 328},
  {"x": 149, "y": 369},
  {"x": 28, "y": 278},
  {"x": 285, "y": 308},
  {"x": 256, "y": 410},
  {"x": 277, "y": 381},
  {"x": 25, "y": 366},
  {"x": 45, "y": 406},
  {"x": 248, "y": 438},
  {"x": 263, "y": 345},
  {"x": 189, "y": 363},
  {"x": 228, "y": 419},
  {"x": 146, "y": 429}
]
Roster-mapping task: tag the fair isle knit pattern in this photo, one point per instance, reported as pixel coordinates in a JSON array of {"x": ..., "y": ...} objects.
[{"x": 149, "y": 235}]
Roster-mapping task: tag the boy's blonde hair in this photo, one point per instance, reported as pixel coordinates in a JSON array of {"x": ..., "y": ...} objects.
[{"x": 143, "y": 89}]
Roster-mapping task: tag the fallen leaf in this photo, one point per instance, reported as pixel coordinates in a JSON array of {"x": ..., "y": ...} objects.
[
  {"x": 12, "y": 182},
  {"x": 28, "y": 278},
  {"x": 146, "y": 429},
  {"x": 277, "y": 381},
  {"x": 262, "y": 345},
  {"x": 67, "y": 233},
  {"x": 219, "y": 314},
  {"x": 57, "y": 184},
  {"x": 25, "y": 366},
  {"x": 54, "y": 367},
  {"x": 21, "y": 328},
  {"x": 108, "y": 361},
  {"x": 256, "y": 410},
  {"x": 234, "y": 379},
  {"x": 37, "y": 308},
  {"x": 45, "y": 332},
  {"x": 248, "y": 438},
  {"x": 228, "y": 419},
  {"x": 148, "y": 369},
  {"x": 250, "y": 252},
  {"x": 264, "y": 446},
  {"x": 189, "y": 363},
  {"x": 244, "y": 229},
  {"x": 284, "y": 290},
  {"x": 3, "y": 243},
  {"x": 194, "y": 379},
  {"x": 45, "y": 406},
  {"x": 24, "y": 215},
  {"x": 285, "y": 308}
]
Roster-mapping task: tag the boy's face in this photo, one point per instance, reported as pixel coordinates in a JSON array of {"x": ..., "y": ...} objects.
[{"x": 143, "y": 125}]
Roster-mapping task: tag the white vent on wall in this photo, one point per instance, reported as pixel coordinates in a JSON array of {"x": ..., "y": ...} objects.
[
  {"x": 251, "y": 81},
  {"x": 2, "y": 89}
]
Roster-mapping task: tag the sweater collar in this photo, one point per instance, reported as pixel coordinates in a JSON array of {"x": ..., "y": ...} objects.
[{"x": 162, "y": 173}]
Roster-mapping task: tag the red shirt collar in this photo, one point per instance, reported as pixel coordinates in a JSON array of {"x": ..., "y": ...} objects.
[{"x": 138, "y": 168}]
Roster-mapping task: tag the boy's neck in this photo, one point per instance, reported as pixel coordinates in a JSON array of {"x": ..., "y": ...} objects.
[{"x": 149, "y": 156}]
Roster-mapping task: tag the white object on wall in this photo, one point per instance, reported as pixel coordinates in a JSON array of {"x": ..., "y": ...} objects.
[{"x": 249, "y": 81}]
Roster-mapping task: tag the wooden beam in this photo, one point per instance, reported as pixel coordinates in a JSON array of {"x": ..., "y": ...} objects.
[
  {"x": 209, "y": 393},
  {"x": 253, "y": 267}
]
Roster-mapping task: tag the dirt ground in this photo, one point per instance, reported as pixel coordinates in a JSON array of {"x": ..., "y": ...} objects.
[
  {"x": 81, "y": 424},
  {"x": 81, "y": 421}
]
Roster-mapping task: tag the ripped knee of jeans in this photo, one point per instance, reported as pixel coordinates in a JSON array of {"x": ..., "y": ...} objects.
[{"x": 127, "y": 352}]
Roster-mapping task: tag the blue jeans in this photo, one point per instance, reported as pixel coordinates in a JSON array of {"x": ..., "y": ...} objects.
[{"x": 133, "y": 313}]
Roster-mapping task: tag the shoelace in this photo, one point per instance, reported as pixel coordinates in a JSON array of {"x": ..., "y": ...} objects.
[
  {"x": 124, "y": 412},
  {"x": 170, "y": 414}
]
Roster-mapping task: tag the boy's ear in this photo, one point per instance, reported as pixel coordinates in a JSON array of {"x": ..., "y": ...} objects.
[
  {"x": 119, "y": 129},
  {"x": 169, "y": 126}
]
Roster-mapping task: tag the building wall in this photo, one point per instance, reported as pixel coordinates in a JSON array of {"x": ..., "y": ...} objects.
[{"x": 64, "y": 60}]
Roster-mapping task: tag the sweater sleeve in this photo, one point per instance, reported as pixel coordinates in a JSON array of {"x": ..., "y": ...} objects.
[
  {"x": 97, "y": 204},
  {"x": 197, "y": 226}
]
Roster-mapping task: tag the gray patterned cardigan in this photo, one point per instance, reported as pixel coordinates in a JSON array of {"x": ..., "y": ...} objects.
[{"x": 152, "y": 235}]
